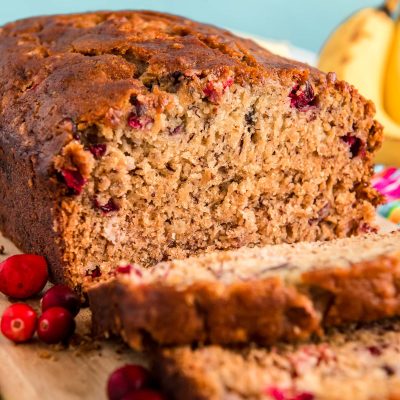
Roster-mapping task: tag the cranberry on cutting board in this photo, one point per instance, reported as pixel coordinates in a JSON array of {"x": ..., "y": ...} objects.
[
  {"x": 61, "y": 296},
  {"x": 127, "y": 379},
  {"x": 23, "y": 275},
  {"x": 55, "y": 325},
  {"x": 18, "y": 322}
]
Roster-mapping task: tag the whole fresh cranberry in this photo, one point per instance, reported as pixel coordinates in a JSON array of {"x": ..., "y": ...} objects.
[
  {"x": 125, "y": 380},
  {"x": 18, "y": 322},
  {"x": 144, "y": 394},
  {"x": 23, "y": 275},
  {"x": 55, "y": 325},
  {"x": 61, "y": 296}
]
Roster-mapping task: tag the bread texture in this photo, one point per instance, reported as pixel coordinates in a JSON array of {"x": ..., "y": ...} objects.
[
  {"x": 144, "y": 136},
  {"x": 261, "y": 295},
  {"x": 359, "y": 363}
]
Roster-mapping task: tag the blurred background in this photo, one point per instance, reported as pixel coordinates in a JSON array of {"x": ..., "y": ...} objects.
[{"x": 305, "y": 23}]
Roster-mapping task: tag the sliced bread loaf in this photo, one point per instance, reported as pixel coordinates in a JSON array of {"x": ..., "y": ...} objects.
[
  {"x": 147, "y": 136},
  {"x": 263, "y": 295},
  {"x": 358, "y": 364}
]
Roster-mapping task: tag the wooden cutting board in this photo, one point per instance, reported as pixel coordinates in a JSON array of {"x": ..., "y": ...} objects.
[
  {"x": 39, "y": 372},
  {"x": 35, "y": 371}
]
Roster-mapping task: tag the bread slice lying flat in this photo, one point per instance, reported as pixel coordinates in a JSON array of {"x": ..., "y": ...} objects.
[
  {"x": 355, "y": 364},
  {"x": 262, "y": 295}
]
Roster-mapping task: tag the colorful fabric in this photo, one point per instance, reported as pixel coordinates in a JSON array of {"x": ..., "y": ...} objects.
[{"x": 387, "y": 181}]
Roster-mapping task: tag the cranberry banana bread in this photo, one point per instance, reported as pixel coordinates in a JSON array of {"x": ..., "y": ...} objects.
[
  {"x": 356, "y": 364},
  {"x": 263, "y": 295},
  {"x": 144, "y": 136}
]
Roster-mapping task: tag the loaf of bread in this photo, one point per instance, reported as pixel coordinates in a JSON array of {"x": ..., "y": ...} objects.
[
  {"x": 355, "y": 364},
  {"x": 144, "y": 136},
  {"x": 262, "y": 295}
]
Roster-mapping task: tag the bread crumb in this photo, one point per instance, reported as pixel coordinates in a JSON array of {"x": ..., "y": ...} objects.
[
  {"x": 83, "y": 344},
  {"x": 47, "y": 355}
]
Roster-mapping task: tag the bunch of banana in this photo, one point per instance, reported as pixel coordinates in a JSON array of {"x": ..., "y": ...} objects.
[{"x": 365, "y": 51}]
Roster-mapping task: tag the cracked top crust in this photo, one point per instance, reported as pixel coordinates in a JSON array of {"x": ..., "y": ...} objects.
[{"x": 78, "y": 68}]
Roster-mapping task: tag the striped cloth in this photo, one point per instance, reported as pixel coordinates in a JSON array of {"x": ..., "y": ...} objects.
[{"x": 387, "y": 181}]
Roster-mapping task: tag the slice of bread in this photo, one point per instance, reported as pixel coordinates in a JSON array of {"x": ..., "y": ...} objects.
[
  {"x": 263, "y": 295},
  {"x": 355, "y": 364}
]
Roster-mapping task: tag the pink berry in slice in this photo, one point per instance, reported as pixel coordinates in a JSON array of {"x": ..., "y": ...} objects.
[
  {"x": 356, "y": 145},
  {"x": 124, "y": 269},
  {"x": 228, "y": 83},
  {"x": 74, "y": 180},
  {"x": 177, "y": 130},
  {"x": 302, "y": 97},
  {"x": 276, "y": 393},
  {"x": 212, "y": 93},
  {"x": 129, "y": 269},
  {"x": 18, "y": 322},
  {"x": 125, "y": 380},
  {"x": 55, "y": 325},
  {"x": 138, "y": 119},
  {"x": 106, "y": 208},
  {"x": 98, "y": 150},
  {"x": 304, "y": 396},
  {"x": 61, "y": 296},
  {"x": 143, "y": 122},
  {"x": 144, "y": 394},
  {"x": 366, "y": 228},
  {"x": 94, "y": 273},
  {"x": 279, "y": 394},
  {"x": 23, "y": 275},
  {"x": 375, "y": 350}
]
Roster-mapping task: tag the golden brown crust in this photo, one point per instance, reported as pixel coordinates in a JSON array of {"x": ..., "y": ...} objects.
[
  {"x": 365, "y": 292},
  {"x": 261, "y": 311},
  {"x": 205, "y": 313},
  {"x": 48, "y": 60}
]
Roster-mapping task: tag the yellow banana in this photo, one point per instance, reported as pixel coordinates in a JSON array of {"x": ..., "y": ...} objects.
[
  {"x": 358, "y": 52},
  {"x": 392, "y": 82}
]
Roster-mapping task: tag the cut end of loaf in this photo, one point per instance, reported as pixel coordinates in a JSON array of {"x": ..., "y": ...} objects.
[{"x": 208, "y": 164}]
